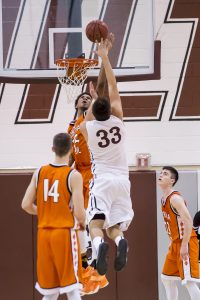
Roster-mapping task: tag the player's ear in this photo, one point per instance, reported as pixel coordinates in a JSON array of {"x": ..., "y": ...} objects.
[
  {"x": 172, "y": 181},
  {"x": 53, "y": 149}
]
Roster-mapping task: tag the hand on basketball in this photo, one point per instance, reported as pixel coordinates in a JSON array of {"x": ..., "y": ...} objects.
[
  {"x": 102, "y": 48},
  {"x": 110, "y": 40}
]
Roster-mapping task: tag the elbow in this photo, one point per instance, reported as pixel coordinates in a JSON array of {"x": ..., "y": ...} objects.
[{"x": 23, "y": 206}]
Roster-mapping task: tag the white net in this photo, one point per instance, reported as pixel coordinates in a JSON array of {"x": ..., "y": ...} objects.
[{"x": 72, "y": 74}]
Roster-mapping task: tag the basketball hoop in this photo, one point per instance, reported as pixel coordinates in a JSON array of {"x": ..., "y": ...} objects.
[{"x": 72, "y": 73}]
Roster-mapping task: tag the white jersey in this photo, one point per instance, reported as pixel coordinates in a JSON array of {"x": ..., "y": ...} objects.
[{"x": 106, "y": 142}]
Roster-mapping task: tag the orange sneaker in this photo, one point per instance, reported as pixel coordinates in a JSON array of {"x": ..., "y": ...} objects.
[
  {"x": 103, "y": 282},
  {"x": 86, "y": 273},
  {"x": 89, "y": 288}
]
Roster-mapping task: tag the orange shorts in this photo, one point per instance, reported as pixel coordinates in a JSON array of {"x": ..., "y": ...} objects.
[
  {"x": 58, "y": 261},
  {"x": 87, "y": 176},
  {"x": 175, "y": 268}
]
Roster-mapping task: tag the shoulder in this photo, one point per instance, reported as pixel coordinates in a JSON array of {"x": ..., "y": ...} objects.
[
  {"x": 177, "y": 200},
  {"x": 176, "y": 196},
  {"x": 116, "y": 118},
  {"x": 75, "y": 178},
  {"x": 75, "y": 175}
]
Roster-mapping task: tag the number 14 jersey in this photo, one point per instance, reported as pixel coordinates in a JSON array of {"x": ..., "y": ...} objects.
[{"x": 106, "y": 142}]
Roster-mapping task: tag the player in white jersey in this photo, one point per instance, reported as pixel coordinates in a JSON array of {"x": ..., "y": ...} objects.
[{"x": 110, "y": 205}]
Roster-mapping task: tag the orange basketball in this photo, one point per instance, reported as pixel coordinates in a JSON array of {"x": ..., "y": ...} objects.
[{"x": 96, "y": 30}]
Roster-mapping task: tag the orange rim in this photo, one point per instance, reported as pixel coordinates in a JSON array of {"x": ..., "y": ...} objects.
[{"x": 63, "y": 62}]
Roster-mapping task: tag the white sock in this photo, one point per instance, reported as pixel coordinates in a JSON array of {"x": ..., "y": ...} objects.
[
  {"x": 193, "y": 290},
  {"x": 96, "y": 242},
  {"x": 82, "y": 240},
  {"x": 117, "y": 239},
  {"x": 171, "y": 289},
  {"x": 74, "y": 295},
  {"x": 51, "y": 297}
]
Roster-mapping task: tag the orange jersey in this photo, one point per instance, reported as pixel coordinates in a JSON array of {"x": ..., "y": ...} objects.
[
  {"x": 173, "y": 223},
  {"x": 54, "y": 197},
  {"x": 81, "y": 153}
]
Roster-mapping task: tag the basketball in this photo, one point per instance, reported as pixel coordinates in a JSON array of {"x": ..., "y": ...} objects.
[{"x": 95, "y": 30}]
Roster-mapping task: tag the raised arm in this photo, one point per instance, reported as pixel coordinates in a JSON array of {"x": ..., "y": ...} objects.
[
  {"x": 76, "y": 183},
  {"x": 30, "y": 197},
  {"x": 114, "y": 96},
  {"x": 179, "y": 204},
  {"x": 101, "y": 87}
]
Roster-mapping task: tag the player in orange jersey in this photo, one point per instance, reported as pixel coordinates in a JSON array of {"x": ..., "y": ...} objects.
[
  {"x": 81, "y": 159},
  {"x": 57, "y": 190},
  {"x": 182, "y": 257}
]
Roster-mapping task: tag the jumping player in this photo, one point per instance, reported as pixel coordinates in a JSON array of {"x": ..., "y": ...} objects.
[
  {"x": 110, "y": 205},
  {"x": 82, "y": 162}
]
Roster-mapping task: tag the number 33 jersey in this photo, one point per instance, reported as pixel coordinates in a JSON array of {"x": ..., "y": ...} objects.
[{"x": 106, "y": 142}]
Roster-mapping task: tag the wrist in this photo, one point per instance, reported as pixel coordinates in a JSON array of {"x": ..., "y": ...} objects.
[{"x": 185, "y": 244}]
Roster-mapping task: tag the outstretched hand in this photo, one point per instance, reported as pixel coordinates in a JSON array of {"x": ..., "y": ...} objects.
[
  {"x": 110, "y": 40},
  {"x": 102, "y": 48},
  {"x": 92, "y": 90}
]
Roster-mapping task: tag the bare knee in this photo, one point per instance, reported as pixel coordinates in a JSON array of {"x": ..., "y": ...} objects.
[
  {"x": 96, "y": 227},
  {"x": 114, "y": 231}
]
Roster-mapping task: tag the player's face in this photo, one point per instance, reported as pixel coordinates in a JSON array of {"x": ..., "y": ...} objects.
[
  {"x": 84, "y": 102},
  {"x": 165, "y": 179}
]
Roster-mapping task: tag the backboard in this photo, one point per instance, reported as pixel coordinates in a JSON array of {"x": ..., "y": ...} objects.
[{"x": 35, "y": 33}]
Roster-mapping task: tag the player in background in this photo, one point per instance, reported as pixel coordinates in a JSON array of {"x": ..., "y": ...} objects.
[
  {"x": 82, "y": 162},
  {"x": 57, "y": 190},
  {"x": 110, "y": 205},
  {"x": 196, "y": 226},
  {"x": 182, "y": 258}
]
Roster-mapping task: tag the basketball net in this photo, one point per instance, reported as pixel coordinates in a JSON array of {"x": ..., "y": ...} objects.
[{"x": 72, "y": 73}]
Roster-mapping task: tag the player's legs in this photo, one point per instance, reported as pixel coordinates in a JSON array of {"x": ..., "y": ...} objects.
[
  {"x": 84, "y": 236},
  {"x": 74, "y": 295},
  {"x": 82, "y": 240},
  {"x": 115, "y": 234},
  {"x": 193, "y": 290},
  {"x": 171, "y": 289},
  {"x": 96, "y": 230},
  {"x": 51, "y": 297}
]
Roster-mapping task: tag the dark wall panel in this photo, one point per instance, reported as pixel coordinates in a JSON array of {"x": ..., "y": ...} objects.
[
  {"x": 18, "y": 244},
  {"x": 139, "y": 280},
  {"x": 16, "y": 251}
]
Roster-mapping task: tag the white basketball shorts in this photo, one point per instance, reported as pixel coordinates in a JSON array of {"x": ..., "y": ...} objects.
[{"x": 110, "y": 195}]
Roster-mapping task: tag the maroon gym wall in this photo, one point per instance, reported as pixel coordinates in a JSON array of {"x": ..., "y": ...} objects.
[{"x": 139, "y": 280}]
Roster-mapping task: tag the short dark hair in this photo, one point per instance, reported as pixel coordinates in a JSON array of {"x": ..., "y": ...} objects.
[
  {"x": 174, "y": 173},
  {"x": 62, "y": 144},
  {"x": 101, "y": 109},
  {"x": 79, "y": 96}
]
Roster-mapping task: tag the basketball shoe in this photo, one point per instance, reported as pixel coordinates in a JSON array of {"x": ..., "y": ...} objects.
[
  {"x": 121, "y": 257},
  {"x": 89, "y": 285}
]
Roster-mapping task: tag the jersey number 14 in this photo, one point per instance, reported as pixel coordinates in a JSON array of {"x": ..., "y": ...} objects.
[{"x": 52, "y": 191}]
